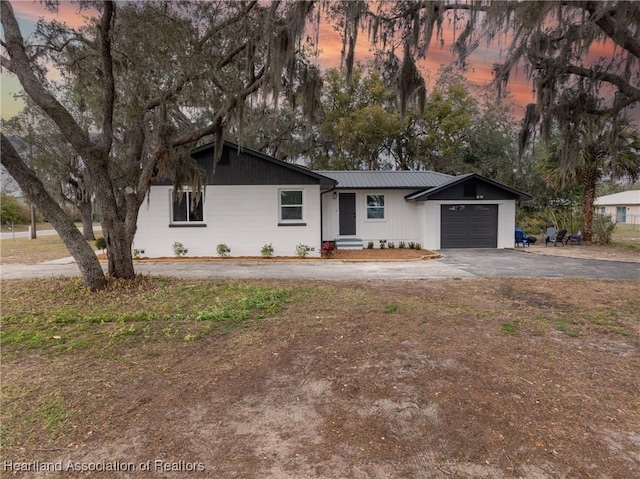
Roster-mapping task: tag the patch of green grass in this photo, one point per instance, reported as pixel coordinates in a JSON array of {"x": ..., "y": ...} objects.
[
  {"x": 606, "y": 320},
  {"x": 601, "y": 318},
  {"x": 60, "y": 315},
  {"x": 48, "y": 413},
  {"x": 633, "y": 247},
  {"x": 391, "y": 308},
  {"x": 266, "y": 300},
  {"x": 223, "y": 312},
  {"x": 629, "y": 234},
  {"x": 509, "y": 328},
  {"x": 53, "y": 413},
  {"x": 562, "y": 325},
  {"x": 626, "y": 237}
]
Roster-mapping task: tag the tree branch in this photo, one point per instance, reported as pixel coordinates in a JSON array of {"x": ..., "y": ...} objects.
[
  {"x": 184, "y": 79},
  {"x": 166, "y": 95},
  {"x": 230, "y": 21},
  {"x": 620, "y": 36},
  {"x": 623, "y": 85},
  {"x": 20, "y": 65},
  {"x": 109, "y": 81},
  {"x": 6, "y": 63},
  {"x": 222, "y": 113},
  {"x": 225, "y": 61}
]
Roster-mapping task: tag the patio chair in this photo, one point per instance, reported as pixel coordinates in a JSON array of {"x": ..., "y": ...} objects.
[
  {"x": 558, "y": 239},
  {"x": 551, "y": 233},
  {"x": 574, "y": 239},
  {"x": 521, "y": 238}
]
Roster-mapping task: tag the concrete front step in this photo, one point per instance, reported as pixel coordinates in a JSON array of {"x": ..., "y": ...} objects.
[{"x": 349, "y": 243}]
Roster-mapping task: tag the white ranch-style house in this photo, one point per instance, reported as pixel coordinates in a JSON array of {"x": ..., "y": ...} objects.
[
  {"x": 254, "y": 199},
  {"x": 622, "y": 207}
]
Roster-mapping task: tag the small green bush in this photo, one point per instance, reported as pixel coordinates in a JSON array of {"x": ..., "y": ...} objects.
[
  {"x": 602, "y": 228},
  {"x": 179, "y": 249},
  {"x": 101, "y": 243},
  {"x": 418, "y": 246},
  {"x": 370, "y": 245},
  {"x": 267, "y": 251},
  {"x": 383, "y": 244},
  {"x": 13, "y": 211},
  {"x": 412, "y": 245},
  {"x": 223, "y": 250},
  {"x": 302, "y": 250},
  {"x": 401, "y": 245},
  {"x": 391, "y": 245}
]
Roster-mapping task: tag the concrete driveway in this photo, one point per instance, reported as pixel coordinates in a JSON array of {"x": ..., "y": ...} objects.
[
  {"x": 458, "y": 263},
  {"x": 510, "y": 263}
]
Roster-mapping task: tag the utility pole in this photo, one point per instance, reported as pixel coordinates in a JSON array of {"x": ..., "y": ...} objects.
[{"x": 32, "y": 230}]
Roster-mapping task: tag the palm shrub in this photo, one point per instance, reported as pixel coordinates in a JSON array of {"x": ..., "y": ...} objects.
[{"x": 602, "y": 229}]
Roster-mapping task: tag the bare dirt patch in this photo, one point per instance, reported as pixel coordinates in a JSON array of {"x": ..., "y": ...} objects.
[
  {"x": 386, "y": 254},
  {"x": 436, "y": 379}
]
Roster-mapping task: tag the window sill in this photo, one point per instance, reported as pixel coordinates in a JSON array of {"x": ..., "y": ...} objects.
[
  {"x": 292, "y": 224},
  {"x": 187, "y": 225}
]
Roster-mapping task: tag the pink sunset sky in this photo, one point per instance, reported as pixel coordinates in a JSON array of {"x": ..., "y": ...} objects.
[{"x": 330, "y": 44}]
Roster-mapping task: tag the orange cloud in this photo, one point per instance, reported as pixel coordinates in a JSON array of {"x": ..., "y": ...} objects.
[
  {"x": 481, "y": 61},
  {"x": 330, "y": 46},
  {"x": 31, "y": 12}
]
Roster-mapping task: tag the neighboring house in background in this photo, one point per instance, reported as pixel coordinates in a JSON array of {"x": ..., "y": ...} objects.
[
  {"x": 254, "y": 199},
  {"x": 623, "y": 207}
]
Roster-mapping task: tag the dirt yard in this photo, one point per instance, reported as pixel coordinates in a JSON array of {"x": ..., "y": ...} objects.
[{"x": 489, "y": 378}]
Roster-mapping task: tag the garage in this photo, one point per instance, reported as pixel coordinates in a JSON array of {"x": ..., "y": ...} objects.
[{"x": 469, "y": 226}]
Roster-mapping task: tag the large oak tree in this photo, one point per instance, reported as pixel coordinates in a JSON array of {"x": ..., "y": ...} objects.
[
  {"x": 554, "y": 42},
  {"x": 154, "y": 78}
]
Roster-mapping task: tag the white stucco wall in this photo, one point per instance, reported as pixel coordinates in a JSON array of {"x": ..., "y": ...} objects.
[
  {"x": 417, "y": 221},
  {"x": 506, "y": 222},
  {"x": 243, "y": 217},
  {"x": 401, "y": 218},
  {"x": 631, "y": 217}
]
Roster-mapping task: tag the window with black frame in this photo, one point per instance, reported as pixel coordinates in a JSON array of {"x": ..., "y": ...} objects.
[{"x": 187, "y": 208}]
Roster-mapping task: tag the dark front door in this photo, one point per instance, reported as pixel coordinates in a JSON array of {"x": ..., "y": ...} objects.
[
  {"x": 347, "y": 214},
  {"x": 469, "y": 226}
]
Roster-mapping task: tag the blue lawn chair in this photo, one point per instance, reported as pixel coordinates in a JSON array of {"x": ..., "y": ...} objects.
[
  {"x": 574, "y": 239},
  {"x": 521, "y": 238}
]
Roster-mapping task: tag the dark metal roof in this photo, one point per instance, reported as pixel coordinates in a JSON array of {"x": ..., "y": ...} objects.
[
  {"x": 456, "y": 180},
  {"x": 325, "y": 182},
  {"x": 387, "y": 179}
]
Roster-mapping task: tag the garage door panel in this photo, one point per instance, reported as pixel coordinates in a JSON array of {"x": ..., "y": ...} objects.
[{"x": 469, "y": 226}]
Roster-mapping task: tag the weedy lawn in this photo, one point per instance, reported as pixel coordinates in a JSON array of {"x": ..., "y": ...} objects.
[{"x": 438, "y": 378}]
